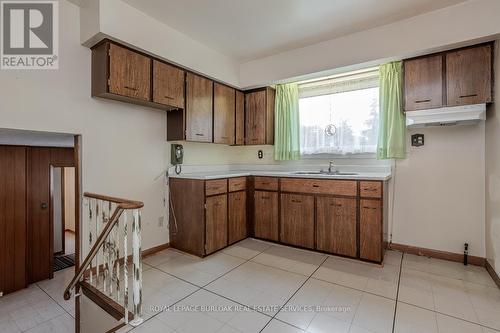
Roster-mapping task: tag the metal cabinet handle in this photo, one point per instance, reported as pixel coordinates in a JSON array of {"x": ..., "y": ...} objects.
[
  {"x": 296, "y": 201},
  {"x": 314, "y": 185},
  {"x": 423, "y": 101},
  {"x": 130, "y": 88},
  {"x": 465, "y": 96},
  {"x": 168, "y": 97},
  {"x": 366, "y": 207},
  {"x": 200, "y": 134}
]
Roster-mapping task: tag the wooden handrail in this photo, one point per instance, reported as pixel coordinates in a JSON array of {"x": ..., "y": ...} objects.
[{"x": 122, "y": 204}]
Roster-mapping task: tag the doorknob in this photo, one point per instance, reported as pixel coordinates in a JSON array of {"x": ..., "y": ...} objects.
[{"x": 44, "y": 205}]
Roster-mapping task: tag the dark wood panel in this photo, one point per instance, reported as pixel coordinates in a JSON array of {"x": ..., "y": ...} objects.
[
  {"x": 237, "y": 221},
  {"x": 370, "y": 189},
  {"x": 270, "y": 99},
  {"x": 370, "y": 230},
  {"x": 199, "y": 96},
  {"x": 224, "y": 113},
  {"x": 168, "y": 85},
  {"x": 319, "y": 186},
  {"x": 266, "y": 183},
  {"x": 336, "y": 225},
  {"x": 13, "y": 222},
  {"x": 297, "y": 220},
  {"x": 187, "y": 215},
  {"x": 216, "y": 223},
  {"x": 237, "y": 184},
  {"x": 240, "y": 118},
  {"x": 255, "y": 108},
  {"x": 423, "y": 83},
  {"x": 468, "y": 76},
  {"x": 129, "y": 73},
  {"x": 266, "y": 215},
  {"x": 215, "y": 186}
]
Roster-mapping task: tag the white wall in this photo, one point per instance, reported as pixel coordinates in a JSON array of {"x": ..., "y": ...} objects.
[
  {"x": 123, "y": 145},
  {"x": 439, "y": 191},
  {"x": 444, "y": 28},
  {"x": 493, "y": 173}
]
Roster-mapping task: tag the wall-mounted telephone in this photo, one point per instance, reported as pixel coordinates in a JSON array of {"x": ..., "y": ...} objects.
[{"x": 177, "y": 156}]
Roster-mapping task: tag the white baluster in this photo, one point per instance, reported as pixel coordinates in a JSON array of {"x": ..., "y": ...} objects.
[
  {"x": 137, "y": 282},
  {"x": 125, "y": 266},
  {"x": 89, "y": 204},
  {"x": 97, "y": 232}
]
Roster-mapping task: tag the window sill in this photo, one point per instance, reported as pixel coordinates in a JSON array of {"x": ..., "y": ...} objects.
[{"x": 337, "y": 156}]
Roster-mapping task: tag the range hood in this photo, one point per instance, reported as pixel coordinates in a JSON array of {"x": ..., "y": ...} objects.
[{"x": 448, "y": 116}]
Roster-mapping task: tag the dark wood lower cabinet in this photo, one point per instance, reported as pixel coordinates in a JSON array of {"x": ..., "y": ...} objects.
[
  {"x": 297, "y": 220},
  {"x": 266, "y": 215},
  {"x": 237, "y": 216},
  {"x": 370, "y": 233},
  {"x": 336, "y": 225},
  {"x": 216, "y": 223}
]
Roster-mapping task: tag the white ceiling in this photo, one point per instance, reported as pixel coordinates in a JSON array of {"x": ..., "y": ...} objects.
[{"x": 250, "y": 29}]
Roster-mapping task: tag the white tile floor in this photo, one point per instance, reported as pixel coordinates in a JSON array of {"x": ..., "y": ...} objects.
[{"x": 256, "y": 286}]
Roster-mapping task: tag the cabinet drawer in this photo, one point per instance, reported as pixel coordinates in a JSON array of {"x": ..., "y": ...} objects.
[
  {"x": 266, "y": 183},
  {"x": 319, "y": 186},
  {"x": 237, "y": 184},
  {"x": 370, "y": 189},
  {"x": 215, "y": 186}
]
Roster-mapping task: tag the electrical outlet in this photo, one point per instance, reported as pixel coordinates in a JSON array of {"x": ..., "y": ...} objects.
[
  {"x": 160, "y": 221},
  {"x": 1, "y": 293}
]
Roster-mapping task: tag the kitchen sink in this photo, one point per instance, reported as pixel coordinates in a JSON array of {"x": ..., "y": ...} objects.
[{"x": 325, "y": 173}]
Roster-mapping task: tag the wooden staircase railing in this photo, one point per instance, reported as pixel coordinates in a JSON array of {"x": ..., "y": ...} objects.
[{"x": 106, "y": 264}]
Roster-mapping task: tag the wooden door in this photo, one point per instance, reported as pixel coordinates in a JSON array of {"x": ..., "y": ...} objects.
[
  {"x": 129, "y": 73},
  {"x": 270, "y": 101},
  {"x": 423, "y": 83},
  {"x": 370, "y": 232},
  {"x": 198, "y": 108},
  {"x": 168, "y": 85},
  {"x": 266, "y": 215},
  {"x": 12, "y": 219},
  {"x": 237, "y": 222},
  {"x": 224, "y": 114},
  {"x": 468, "y": 76},
  {"x": 255, "y": 107},
  {"x": 297, "y": 220},
  {"x": 216, "y": 223},
  {"x": 336, "y": 225},
  {"x": 240, "y": 118}
]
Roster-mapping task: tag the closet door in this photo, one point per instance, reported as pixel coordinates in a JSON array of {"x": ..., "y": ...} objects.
[{"x": 12, "y": 218}]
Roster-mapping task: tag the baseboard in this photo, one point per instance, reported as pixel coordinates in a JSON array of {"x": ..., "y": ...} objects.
[
  {"x": 153, "y": 250},
  {"x": 457, "y": 257},
  {"x": 493, "y": 274}
]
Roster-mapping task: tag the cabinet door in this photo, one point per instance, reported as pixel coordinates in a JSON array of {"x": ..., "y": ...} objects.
[
  {"x": 255, "y": 106},
  {"x": 240, "y": 118},
  {"x": 297, "y": 220},
  {"x": 468, "y": 76},
  {"x": 336, "y": 225},
  {"x": 216, "y": 223},
  {"x": 370, "y": 232},
  {"x": 224, "y": 108},
  {"x": 168, "y": 85},
  {"x": 266, "y": 215},
  {"x": 423, "y": 83},
  {"x": 199, "y": 96},
  {"x": 237, "y": 223},
  {"x": 129, "y": 73}
]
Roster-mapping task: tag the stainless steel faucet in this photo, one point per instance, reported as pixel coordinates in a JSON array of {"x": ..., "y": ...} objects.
[{"x": 330, "y": 167}]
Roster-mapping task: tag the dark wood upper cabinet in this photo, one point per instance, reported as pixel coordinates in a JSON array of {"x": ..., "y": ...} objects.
[
  {"x": 224, "y": 114},
  {"x": 370, "y": 230},
  {"x": 129, "y": 73},
  {"x": 336, "y": 225},
  {"x": 452, "y": 78},
  {"x": 216, "y": 223},
  {"x": 237, "y": 216},
  {"x": 240, "y": 119},
  {"x": 168, "y": 85},
  {"x": 297, "y": 220},
  {"x": 468, "y": 76},
  {"x": 199, "y": 98},
  {"x": 259, "y": 108},
  {"x": 266, "y": 215},
  {"x": 423, "y": 83}
]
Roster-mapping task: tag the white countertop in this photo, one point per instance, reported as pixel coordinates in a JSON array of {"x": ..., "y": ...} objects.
[{"x": 293, "y": 174}]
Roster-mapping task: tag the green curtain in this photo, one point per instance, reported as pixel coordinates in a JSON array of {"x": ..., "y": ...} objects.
[
  {"x": 392, "y": 125},
  {"x": 286, "y": 133}
]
